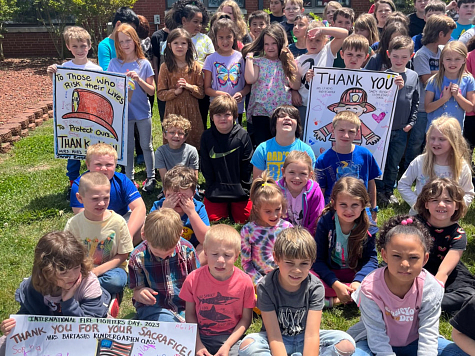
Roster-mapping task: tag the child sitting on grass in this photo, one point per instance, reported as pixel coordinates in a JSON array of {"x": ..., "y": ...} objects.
[
  {"x": 219, "y": 297},
  {"x": 159, "y": 266}
]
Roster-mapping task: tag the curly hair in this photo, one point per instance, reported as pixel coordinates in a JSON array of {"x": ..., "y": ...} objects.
[
  {"x": 176, "y": 121},
  {"x": 57, "y": 252},
  {"x": 188, "y": 9},
  {"x": 264, "y": 190},
  {"x": 435, "y": 189},
  {"x": 394, "y": 227}
]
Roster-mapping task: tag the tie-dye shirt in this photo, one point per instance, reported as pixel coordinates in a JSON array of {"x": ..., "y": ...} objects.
[{"x": 257, "y": 244}]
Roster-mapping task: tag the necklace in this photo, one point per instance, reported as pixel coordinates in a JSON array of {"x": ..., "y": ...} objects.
[{"x": 338, "y": 156}]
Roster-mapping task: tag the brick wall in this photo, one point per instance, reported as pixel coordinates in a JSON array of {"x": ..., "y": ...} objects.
[{"x": 19, "y": 44}]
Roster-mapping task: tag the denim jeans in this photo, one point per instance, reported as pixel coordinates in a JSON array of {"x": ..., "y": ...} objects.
[
  {"x": 417, "y": 136},
  {"x": 113, "y": 280},
  {"x": 444, "y": 348},
  {"x": 156, "y": 313},
  {"x": 73, "y": 166},
  {"x": 145, "y": 130},
  {"x": 294, "y": 344},
  {"x": 396, "y": 148}
]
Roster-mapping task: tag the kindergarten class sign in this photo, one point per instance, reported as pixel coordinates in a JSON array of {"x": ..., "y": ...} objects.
[
  {"x": 89, "y": 107},
  {"x": 84, "y": 336},
  {"x": 370, "y": 95}
]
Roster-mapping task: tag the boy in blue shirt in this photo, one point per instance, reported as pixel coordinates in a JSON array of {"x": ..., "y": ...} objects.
[
  {"x": 466, "y": 10},
  {"x": 179, "y": 186}
]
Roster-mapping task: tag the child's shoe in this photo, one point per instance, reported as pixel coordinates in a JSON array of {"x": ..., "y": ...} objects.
[
  {"x": 392, "y": 199},
  {"x": 68, "y": 198},
  {"x": 149, "y": 185},
  {"x": 114, "y": 306},
  {"x": 136, "y": 185}
]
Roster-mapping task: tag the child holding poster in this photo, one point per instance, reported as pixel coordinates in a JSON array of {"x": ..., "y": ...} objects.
[
  {"x": 61, "y": 283},
  {"x": 219, "y": 297},
  {"x": 400, "y": 53},
  {"x": 132, "y": 62},
  {"x": 354, "y": 51}
]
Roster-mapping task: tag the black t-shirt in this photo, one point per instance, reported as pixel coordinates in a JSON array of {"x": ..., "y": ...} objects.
[
  {"x": 158, "y": 38},
  {"x": 278, "y": 19},
  {"x": 288, "y": 27},
  {"x": 416, "y": 25}
]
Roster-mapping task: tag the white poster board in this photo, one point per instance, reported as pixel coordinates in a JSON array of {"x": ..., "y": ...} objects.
[
  {"x": 371, "y": 95},
  {"x": 85, "y": 336},
  {"x": 89, "y": 107}
]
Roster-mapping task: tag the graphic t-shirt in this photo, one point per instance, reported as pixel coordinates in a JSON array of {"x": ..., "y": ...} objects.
[
  {"x": 219, "y": 304},
  {"x": 460, "y": 30},
  {"x": 291, "y": 307},
  {"x": 103, "y": 239},
  {"x": 227, "y": 74},
  {"x": 340, "y": 252},
  {"x": 271, "y": 156}
]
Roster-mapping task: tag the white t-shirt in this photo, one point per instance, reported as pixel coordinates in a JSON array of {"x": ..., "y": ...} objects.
[{"x": 88, "y": 65}]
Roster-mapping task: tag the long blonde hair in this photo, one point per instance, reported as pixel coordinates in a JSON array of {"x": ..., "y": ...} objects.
[
  {"x": 238, "y": 19},
  {"x": 368, "y": 22},
  {"x": 459, "y": 48},
  {"x": 450, "y": 128}
]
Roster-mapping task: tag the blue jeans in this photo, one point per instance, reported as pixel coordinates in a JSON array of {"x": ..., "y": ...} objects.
[
  {"x": 445, "y": 348},
  {"x": 294, "y": 344},
  {"x": 73, "y": 166},
  {"x": 113, "y": 280},
  {"x": 416, "y": 139},
  {"x": 396, "y": 148},
  {"x": 156, "y": 313}
]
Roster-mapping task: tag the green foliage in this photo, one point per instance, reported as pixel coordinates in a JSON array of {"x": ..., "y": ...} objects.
[
  {"x": 315, "y": 17},
  {"x": 268, "y": 11}
]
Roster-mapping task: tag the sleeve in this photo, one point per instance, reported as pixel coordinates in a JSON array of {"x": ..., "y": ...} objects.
[
  {"x": 249, "y": 292},
  {"x": 421, "y": 63},
  {"x": 470, "y": 58},
  {"x": 264, "y": 292},
  {"x": 246, "y": 254},
  {"x": 209, "y": 48},
  {"x": 470, "y": 83},
  {"x": 429, "y": 316},
  {"x": 194, "y": 158},
  {"x": 148, "y": 70},
  {"x": 136, "y": 273},
  {"x": 317, "y": 208},
  {"x": 104, "y": 55},
  {"x": 186, "y": 292},
  {"x": 463, "y": 320},
  {"x": 164, "y": 93},
  {"x": 198, "y": 89},
  {"x": 414, "y": 104},
  {"x": 459, "y": 239},
  {"x": 372, "y": 318},
  {"x": 74, "y": 202},
  {"x": 207, "y": 167},
  {"x": 130, "y": 190},
  {"x": 246, "y": 166},
  {"x": 320, "y": 265},
  {"x": 156, "y": 205},
  {"x": 319, "y": 172},
  {"x": 405, "y": 183},
  {"x": 373, "y": 170},
  {"x": 202, "y": 213},
  {"x": 369, "y": 251},
  {"x": 258, "y": 160},
  {"x": 310, "y": 152},
  {"x": 155, "y": 39},
  {"x": 208, "y": 64},
  {"x": 126, "y": 245},
  {"x": 159, "y": 158},
  {"x": 92, "y": 304},
  {"x": 466, "y": 183},
  {"x": 317, "y": 294},
  {"x": 430, "y": 86}
]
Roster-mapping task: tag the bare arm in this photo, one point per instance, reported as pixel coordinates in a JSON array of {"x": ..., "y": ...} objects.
[
  {"x": 464, "y": 342},
  {"x": 162, "y": 172},
  {"x": 465, "y": 103},
  {"x": 431, "y": 104},
  {"x": 372, "y": 197},
  {"x": 137, "y": 217},
  {"x": 116, "y": 261},
  {"x": 448, "y": 265},
  {"x": 208, "y": 90},
  {"x": 238, "y": 331},
  {"x": 251, "y": 73},
  {"x": 77, "y": 210},
  {"x": 155, "y": 68},
  {"x": 190, "y": 317},
  {"x": 274, "y": 336},
  {"x": 311, "y": 343},
  {"x": 256, "y": 172}
]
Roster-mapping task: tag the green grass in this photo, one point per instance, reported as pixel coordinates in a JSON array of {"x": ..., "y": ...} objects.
[{"x": 33, "y": 202}]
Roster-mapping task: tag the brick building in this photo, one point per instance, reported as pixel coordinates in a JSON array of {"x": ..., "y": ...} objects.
[{"x": 35, "y": 40}]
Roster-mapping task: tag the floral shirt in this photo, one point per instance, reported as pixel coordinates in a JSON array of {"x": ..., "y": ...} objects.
[
  {"x": 203, "y": 45},
  {"x": 269, "y": 91}
]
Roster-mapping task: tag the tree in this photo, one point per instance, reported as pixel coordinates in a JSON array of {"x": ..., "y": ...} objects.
[{"x": 8, "y": 8}]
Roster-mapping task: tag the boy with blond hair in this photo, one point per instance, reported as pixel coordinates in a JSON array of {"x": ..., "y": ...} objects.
[
  {"x": 347, "y": 159},
  {"x": 159, "y": 266},
  {"x": 78, "y": 42},
  {"x": 219, "y": 297},
  {"x": 125, "y": 199},
  {"x": 175, "y": 151},
  {"x": 179, "y": 185},
  {"x": 291, "y": 301},
  {"x": 292, "y": 8},
  {"x": 354, "y": 51},
  {"x": 104, "y": 233}
]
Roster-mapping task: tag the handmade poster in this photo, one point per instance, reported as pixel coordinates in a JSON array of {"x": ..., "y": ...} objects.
[
  {"x": 370, "y": 95},
  {"x": 84, "y": 336},
  {"x": 89, "y": 107}
]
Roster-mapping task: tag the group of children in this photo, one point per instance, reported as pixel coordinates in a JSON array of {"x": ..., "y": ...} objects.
[{"x": 310, "y": 239}]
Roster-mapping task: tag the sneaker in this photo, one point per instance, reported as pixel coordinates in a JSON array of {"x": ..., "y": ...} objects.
[
  {"x": 136, "y": 185},
  {"x": 382, "y": 199},
  {"x": 392, "y": 198},
  {"x": 149, "y": 185},
  {"x": 114, "y": 306}
]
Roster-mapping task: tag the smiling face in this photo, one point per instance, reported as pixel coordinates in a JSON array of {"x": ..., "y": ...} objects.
[
  {"x": 441, "y": 209},
  {"x": 126, "y": 43},
  {"x": 270, "y": 47},
  {"x": 175, "y": 136},
  {"x": 452, "y": 63},
  {"x": 224, "y": 122},
  {"x": 405, "y": 257},
  {"x": 285, "y": 124},
  {"x": 343, "y": 22},
  {"x": 384, "y": 10},
  {"x": 256, "y": 27},
  {"x": 353, "y": 59},
  {"x": 439, "y": 144},
  {"x": 95, "y": 201},
  {"x": 66, "y": 279},
  {"x": 79, "y": 49},
  {"x": 270, "y": 213},
  {"x": 225, "y": 40},
  {"x": 348, "y": 208},
  {"x": 292, "y": 272},
  {"x": 102, "y": 163},
  {"x": 179, "y": 47},
  {"x": 315, "y": 44},
  {"x": 296, "y": 176},
  {"x": 194, "y": 25},
  {"x": 221, "y": 258},
  {"x": 399, "y": 59}
]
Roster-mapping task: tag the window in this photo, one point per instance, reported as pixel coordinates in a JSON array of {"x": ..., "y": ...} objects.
[{"x": 212, "y": 4}]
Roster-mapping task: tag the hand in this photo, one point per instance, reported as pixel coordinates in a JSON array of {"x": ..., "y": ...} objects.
[
  {"x": 182, "y": 83},
  {"x": 67, "y": 294},
  {"x": 309, "y": 75},
  {"x": 315, "y": 32},
  {"x": 223, "y": 351},
  {"x": 343, "y": 292},
  {"x": 455, "y": 90},
  {"x": 186, "y": 204},
  {"x": 374, "y": 216},
  {"x": 203, "y": 352},
  {"x": 133, "y": 74},
  {"x": 171, "y": 201},
  {"x": 446, "y": 92},
  {"x": 52, "y": 69},
  {"x": 452, "y": 5},
  {"x": 407, "y": 128},
  {"x": 355, "y": 285},
  {"x": 7, "y": 326},
  {"x": 373, "y": 140},
  {"x": 145, "y": 296},
  {"x": 238, "y": 97},
  {"x": 178, "y": 91},
  {"x": 296, "y": 98},
  {"x": 399, "y": 81}
]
